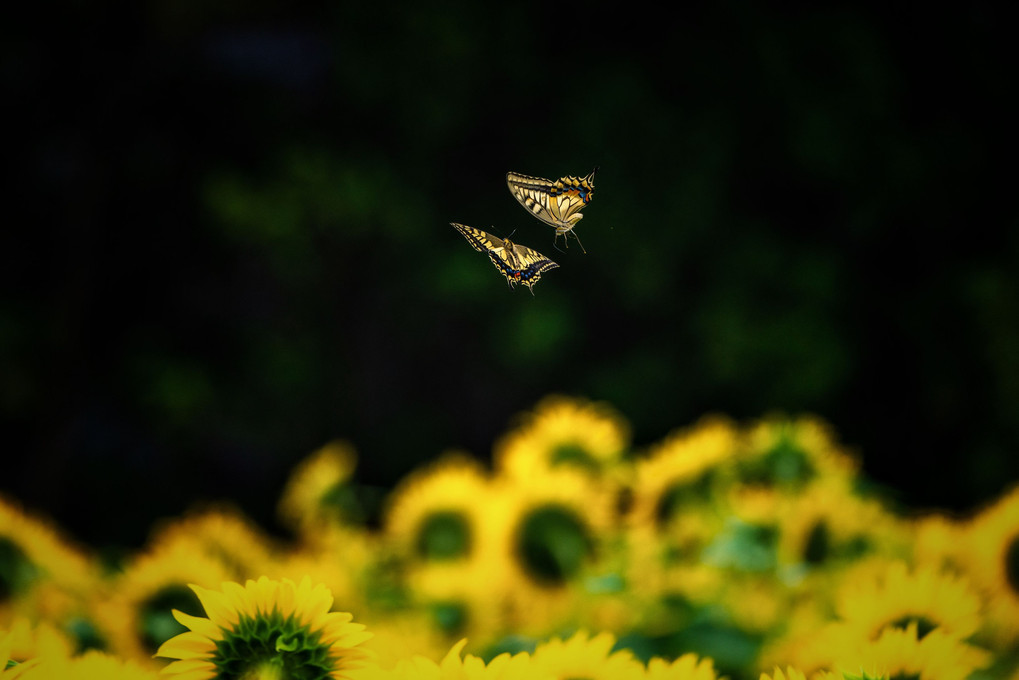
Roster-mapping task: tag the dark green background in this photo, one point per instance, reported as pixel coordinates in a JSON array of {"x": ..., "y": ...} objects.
[{"x": 227, "y": 238}]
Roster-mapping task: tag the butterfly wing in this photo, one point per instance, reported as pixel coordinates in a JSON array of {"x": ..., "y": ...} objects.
[
  {"x": 529, "y": 263},
  {"x": 518, "y": 264},
  {"x": 481, "y": 240},
  {"x": 555, "y": 203},
  {"x": 535, "y": 194}
]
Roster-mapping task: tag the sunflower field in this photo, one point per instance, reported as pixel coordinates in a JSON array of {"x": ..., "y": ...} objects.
[{"x": 738, "y": 550}]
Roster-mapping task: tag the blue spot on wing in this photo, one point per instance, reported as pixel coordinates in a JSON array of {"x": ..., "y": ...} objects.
[{"x": 531, "y": 271}]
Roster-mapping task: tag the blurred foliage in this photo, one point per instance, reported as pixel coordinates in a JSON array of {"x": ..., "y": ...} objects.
[{"x": 239, "y": 245}]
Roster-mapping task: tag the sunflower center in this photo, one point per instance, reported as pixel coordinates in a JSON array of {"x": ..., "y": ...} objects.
[
  {"x": 156, "y": 617},
  {"x": 785, "y": 463},
  {"x": 572, "y": 454},
  {"x": 86, "y": 635},
  {"x": 341, "y": 502},
  {"x": 444, "y": 536},
  {"x": 1012, "y": 564},
  {"x": 683, "y": 495},
  {"x": 818, "y": 544},
  {"x": 552, "y": 543},
  {"x": 923, "y": 624},
  {"x": 904, "y": 676},
  {"x": 269, "y": 646},
  {"x": 451, "y": 616},
  {"x": 16, "y": 571},
  {"x": 269, "y": 670}
]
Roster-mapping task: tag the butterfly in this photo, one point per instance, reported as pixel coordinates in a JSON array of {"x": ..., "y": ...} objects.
[
  {"x": 517, "y": 263},
  {"x": 557, "y": 203}
]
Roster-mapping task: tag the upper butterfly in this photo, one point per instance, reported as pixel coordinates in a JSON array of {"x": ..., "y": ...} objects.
[
  {"x": 557, "y": 203},
  {"x": 519, "y": 264}
]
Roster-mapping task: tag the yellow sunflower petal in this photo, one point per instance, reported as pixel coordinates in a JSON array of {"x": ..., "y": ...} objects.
[
  {"x": 185, "y": 645},
  {"x": 197, "y": 624},
  {"x": 217, "y": 606}
]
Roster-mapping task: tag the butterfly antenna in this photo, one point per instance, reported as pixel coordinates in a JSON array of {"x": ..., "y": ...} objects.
[{"x": 578, "y": 242}]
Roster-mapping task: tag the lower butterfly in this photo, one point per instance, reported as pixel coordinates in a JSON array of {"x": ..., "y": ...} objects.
[
  {"x": 519, "y": 264},
  {"x": 556, "y": 203}
]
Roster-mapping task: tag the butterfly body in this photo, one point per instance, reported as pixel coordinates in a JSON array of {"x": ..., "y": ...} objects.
[
  {"x": 557, "y": 203},
  {"x": 519, "y": 264}
]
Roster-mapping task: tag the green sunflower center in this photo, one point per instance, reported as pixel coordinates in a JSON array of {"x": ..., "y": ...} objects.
[
  {"x": 341, "y": 502},
  {"x": 572, "y": 454},
  {"x": 450, "y": 616},
  {"x": 156, "y": 614},
  {"x": 553, "y": 544},
  {"x": 683, "y": 495},
  {"x": 820, "y": 546},
  {"x": 1012, "y": 564},
  {"x": 785, "y": 463},
  {"x": 923, "y": 624},
  {"x": 444, "y": 536},
  {"x": 817, "y": 547},
  {"x": 16, "y": 571},
  {"x": 272, "y": 646},
  {"x": 86, "y": 635}
]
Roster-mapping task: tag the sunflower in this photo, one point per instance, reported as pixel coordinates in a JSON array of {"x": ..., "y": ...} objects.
[
  {"x": 398, "y": 637},
  {"x": 666, "y": 570},
  {"x": 807, "y": 641},
  {"x": 319, "y": 492},
  {"x": 686, "y": 471},
  {"x": 28, "y": 641},
  {"x": 452, "y": 667},
  {"x": 340, "y": 558},
  {"x": 437, "y": 513},
  {"x": 898, "y": 652},
  {"x": 791, "y": 453},
  {"x": 138, "y": 614},
  {"x": 583, "y": 656},
  {"x": 938, "y": 541},
  {"x": 827, "y": 526},
  {"x": 756, "y": 603},
  {"x": 11, "y": 667},
  {"x": 564, "y": 432},
  {"x": 789, "y": 673},
  {"x": 222, "y": 533},
  {"x": 265, "y": 629},
  {"x": 90, "y": 666},
  {"x": 42, "y": 575},
  {"x": 458, "y": 598},
  {"x": 896, "y": 597},
  {"x": 550, "y": 530},
  {"x": 992, "y": 537},
  {"x": 686, "y": 667}
]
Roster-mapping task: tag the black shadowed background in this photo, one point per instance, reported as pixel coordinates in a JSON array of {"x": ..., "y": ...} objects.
[{"x": 228, "y": 239}]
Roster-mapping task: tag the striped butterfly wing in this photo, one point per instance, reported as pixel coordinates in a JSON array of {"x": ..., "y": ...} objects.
[
  {"x": 525, "y": 264},
  {"x": 519, "y": 264},
  {"x": 556, "y": 203},
  {"x": 482, "y": 241}
]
